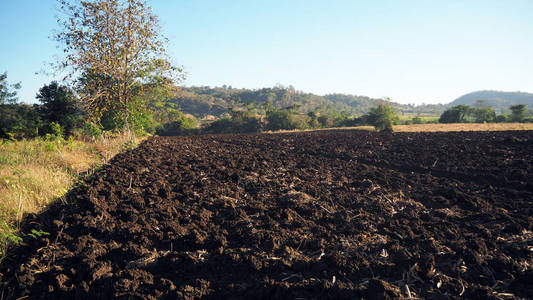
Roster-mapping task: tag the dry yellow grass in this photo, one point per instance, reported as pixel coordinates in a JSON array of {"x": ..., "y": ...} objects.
[
  {"x": 35, "y": 172},
  {"x": 435, "y": 127},
  {"x": 463, "y": 127}
]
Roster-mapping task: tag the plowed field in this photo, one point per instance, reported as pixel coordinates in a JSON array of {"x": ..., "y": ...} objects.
[{"x": 315, "y": 215}]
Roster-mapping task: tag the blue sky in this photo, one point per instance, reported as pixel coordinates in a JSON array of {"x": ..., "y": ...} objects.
[{"x": 410, "y": 51}]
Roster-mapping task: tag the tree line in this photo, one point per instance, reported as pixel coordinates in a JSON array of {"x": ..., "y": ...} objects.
[
  {"x": 466, "y": 114},
  {"x": 203, "y": 100},
  {"x": 249, "y": 119},
  {"x": 59, "y": 110}
]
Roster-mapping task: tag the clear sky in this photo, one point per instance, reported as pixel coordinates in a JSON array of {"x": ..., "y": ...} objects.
[{"x": 410, "y": 51}]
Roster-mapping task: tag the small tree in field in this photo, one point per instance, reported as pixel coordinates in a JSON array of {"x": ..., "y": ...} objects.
[
  {"x": 58, "y": 105},
  {"x": 114, "y": 52},
  {"x": 382, "y": 117},
  {"x": 518, "y": 112},
  {"x": 456, "y": 114}
]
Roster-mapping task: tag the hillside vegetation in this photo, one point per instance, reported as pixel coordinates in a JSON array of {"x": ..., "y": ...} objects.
[
  {"x": 496, "y": 99},
  {"x": 216, "y": 101}
]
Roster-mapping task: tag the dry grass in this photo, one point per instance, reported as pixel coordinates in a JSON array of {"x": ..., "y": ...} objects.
[
  {"x": 463, "y": 127},
  {"x": 453, "y": 127},
  {"x": 435, "y": 127},
  {"x": 35, "y": 172}
]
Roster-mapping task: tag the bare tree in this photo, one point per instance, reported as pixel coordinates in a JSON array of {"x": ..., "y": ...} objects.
[{"x": 114, "y": 52}]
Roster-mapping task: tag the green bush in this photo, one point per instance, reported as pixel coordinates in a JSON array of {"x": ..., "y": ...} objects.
[
  {"x": 223, "y": 125},
  {"x": 354, "y": 121},
  {"x": 382, "y": 117},
  {"x": 112, "y": 121},
  {"x": 238, "y": 121},
  {"x": 417, "y": 120},
  {"x": 8, "y": 233},
  {"x": 91, "y": 129},
  {"x": 3, "y": 134},
  {"x": 54, "y": 140},
  {"x": 57, "y": 130},
  {"x": 20, "y": 120},
  {"x": 465, "y": 114},
  {"x": 325, "y": 121},
  {"x": 58, "y": 105},
  {"x": 182, "y": 125},
  {"x": 456, "y": 114},
  {"x": 501, "y": 119},
  {"x": 248, "y": 124},
  {"x": 142, "y": 122},
  {"x": 484, "y": 115},
  {"x": 518, "y": 112},
  {"x": 284, "y": 119}
]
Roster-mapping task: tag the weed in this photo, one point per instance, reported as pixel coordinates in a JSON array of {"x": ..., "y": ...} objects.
[
  {"x": 57, "y": 130},
  {"x": 128, "y": 145},
  {"x": 8, "y": 233},
  {"x": 50, "y": 146},
  {"x": 36, "y": 234}
]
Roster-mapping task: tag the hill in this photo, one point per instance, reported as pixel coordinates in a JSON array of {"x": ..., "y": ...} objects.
[
  {"x": 497, "y": 99},
  {"x": 215, "y": 101}
]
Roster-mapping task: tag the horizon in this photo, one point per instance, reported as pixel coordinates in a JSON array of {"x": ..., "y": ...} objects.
[
  {"x": 412, "y": 52},
  {"x": 348, "y": 94}
]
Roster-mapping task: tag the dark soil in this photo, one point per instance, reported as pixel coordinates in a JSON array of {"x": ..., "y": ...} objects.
[{"x": 330, "y": 214}]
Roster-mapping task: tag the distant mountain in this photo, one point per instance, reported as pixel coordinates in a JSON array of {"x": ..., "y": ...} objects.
[
  {"x": 216, "y": 101},
  {"x": 498, "y": 100}
]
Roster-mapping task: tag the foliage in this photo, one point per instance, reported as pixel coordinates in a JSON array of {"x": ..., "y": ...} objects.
[
  {"x": 382, "y": 117},
  {"x": 58, "y": 105},
  {"x": 216, "y": 101},
  {"x": 501, "y": 119},
  {"x": 246, "y": 121},
  {"x": 157, "y": 101},
  {"x": 3, "y": 134},
  {"x": 284, "y": 119},
  {"x": 417, "y": 120},
  {"x": 36, "y": 234},
  {"x": 222, "y": 125},
  {"x": 180, "y": 125},
  {"x": 8, "y": 233},
  {"x": 141, "y": 117},
  {"x": 498, "y": 100},
  {"x": 313, "y": 120},
  {"x": 20, "y": 120},
  {"x": 8, "y": 93},
  {"x": 115, "y": 50},
  {"x": 278, "y": 119},
  {"x": 58, "y": 132},
  {"x": 518, "y": 112},
  {"x": 91, "y": 129},
  {"x": 456, "y": 114},
  {"x": 340, "y": 118},
  {"x": 484, "y": 115}
]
